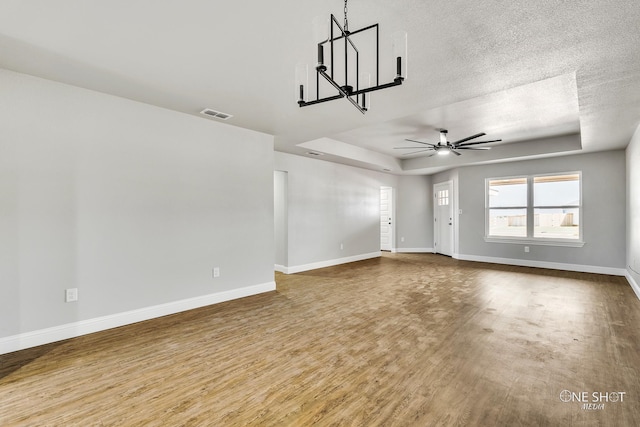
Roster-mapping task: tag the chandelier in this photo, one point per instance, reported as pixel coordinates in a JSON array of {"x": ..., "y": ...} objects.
[{"x": 343, "y": 70}]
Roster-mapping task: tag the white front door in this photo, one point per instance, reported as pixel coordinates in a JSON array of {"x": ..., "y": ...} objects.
[
  {"x": 443, "y": 218},
  {"x": 386, "y": 218}
]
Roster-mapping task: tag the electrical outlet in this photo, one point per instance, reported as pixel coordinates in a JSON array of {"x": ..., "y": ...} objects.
[
  {"x": 71, "y": 295},
  {"x": 216, "y": 272},
  {"x": 402, "y": 239},
  {"x": 526, "y": 248},
  {"x": 341, "y": 246}
]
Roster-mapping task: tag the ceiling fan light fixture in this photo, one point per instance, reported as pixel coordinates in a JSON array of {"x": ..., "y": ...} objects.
[
  {"x": 443, "y": 136},
  {"x": 443, "y": 152}
]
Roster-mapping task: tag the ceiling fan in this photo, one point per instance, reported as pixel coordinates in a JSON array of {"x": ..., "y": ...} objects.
[{"x": 446, "y": 147}]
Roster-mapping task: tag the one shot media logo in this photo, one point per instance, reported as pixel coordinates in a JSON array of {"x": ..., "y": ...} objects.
[{"x": 592, "y": 401}]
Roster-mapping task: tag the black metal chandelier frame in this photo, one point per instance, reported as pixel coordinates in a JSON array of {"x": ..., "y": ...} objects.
[{"x": 347, "y": 90}]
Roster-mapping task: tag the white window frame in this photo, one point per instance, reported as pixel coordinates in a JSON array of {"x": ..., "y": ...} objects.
[{"x": 530, "y": 239}]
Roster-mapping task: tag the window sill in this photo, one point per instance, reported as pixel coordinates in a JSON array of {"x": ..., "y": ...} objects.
[{"x": 541, "y": 242}]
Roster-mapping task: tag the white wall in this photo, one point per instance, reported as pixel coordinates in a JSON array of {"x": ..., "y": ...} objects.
[
  {"x": 132, "y": 204},
  {"x": 414, "y": 214},
  {"x": 603, "y": 198},
  {"x": 633, "y": 211},
  {"x": 330, "y": 204}
]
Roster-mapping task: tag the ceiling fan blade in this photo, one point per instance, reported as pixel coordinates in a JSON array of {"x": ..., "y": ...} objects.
[
  {"x": 478, "y": 142},
  {"x": 415, "y": 152},
  {"x": 420, "y": 142},
  {"x": 473, "y": 148},
  {"x": 456, "y": 153},
  {"x": 409, "y": 148},
  {"x": 468, "y": 138}
]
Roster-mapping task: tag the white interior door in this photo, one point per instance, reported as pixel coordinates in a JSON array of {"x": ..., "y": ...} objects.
[
  {"x": 386, "y": 218},
  {"x": 443, "y": 218}
]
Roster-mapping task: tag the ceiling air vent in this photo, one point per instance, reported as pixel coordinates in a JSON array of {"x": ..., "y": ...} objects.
[
  {"x": 216, "y": 114},
  {"x": 314, "y": 153}
]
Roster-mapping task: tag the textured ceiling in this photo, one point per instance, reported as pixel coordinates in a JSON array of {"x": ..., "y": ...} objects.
[{"x": 526, "y": 72}]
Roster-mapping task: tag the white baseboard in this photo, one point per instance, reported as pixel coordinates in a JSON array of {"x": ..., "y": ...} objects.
[
  {"x": 280, "y": 268},
  {"x": 329, "y": 263},
  {"x": 83, "y": 327},
  {"x": 633, "y": 283},
  {"x": 414, "y": 250},
  {"x": 544, "y": 264}
]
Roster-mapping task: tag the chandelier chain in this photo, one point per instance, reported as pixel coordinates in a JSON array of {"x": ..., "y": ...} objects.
[{"x": 346, "y": 21}]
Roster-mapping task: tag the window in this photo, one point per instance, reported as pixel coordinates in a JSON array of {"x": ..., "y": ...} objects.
[
  {"x": 443, "y": 198},
  {"x": 540, "y": 208},
  {"x": 508, "y": 207},
  {"x": 556, "y": 206}
]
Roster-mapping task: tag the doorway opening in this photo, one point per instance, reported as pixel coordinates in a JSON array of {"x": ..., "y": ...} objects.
[{"x": 281, "y": 220}]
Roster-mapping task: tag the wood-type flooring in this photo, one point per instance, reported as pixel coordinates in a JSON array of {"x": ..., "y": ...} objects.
[{"x": 401, "y": 340}]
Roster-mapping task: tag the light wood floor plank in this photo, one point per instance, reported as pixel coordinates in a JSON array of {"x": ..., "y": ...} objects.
[{"x": 403, "y": 340}]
